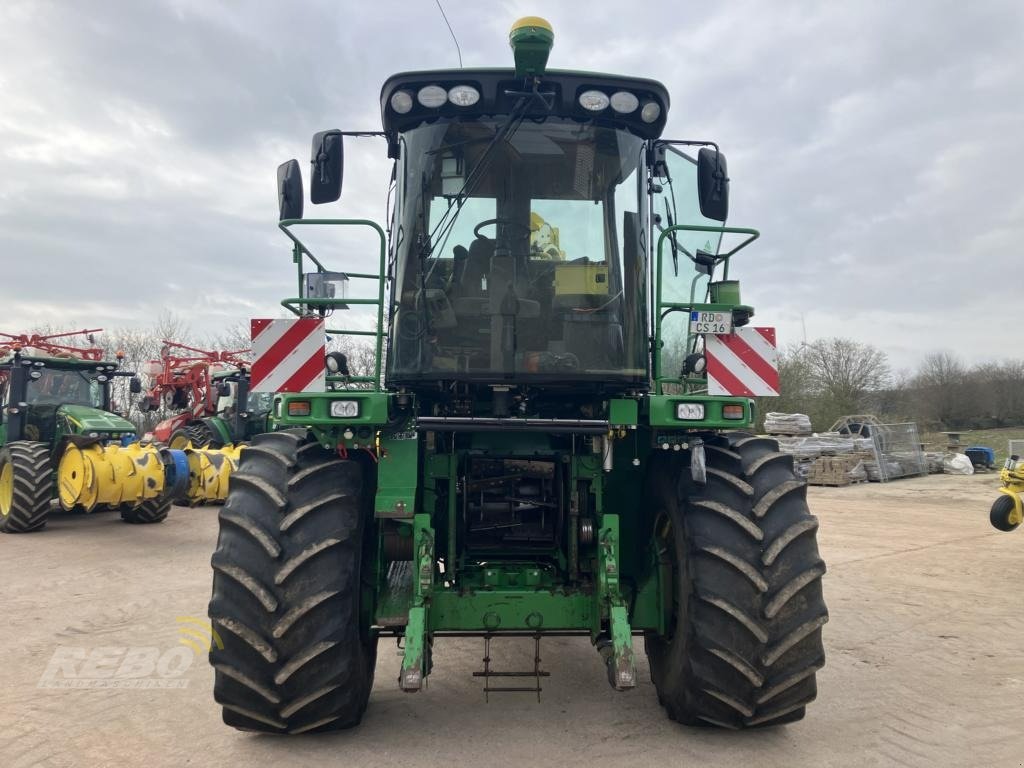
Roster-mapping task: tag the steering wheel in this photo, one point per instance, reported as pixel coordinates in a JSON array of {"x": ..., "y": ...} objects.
[{"x": 507, "y": 222}]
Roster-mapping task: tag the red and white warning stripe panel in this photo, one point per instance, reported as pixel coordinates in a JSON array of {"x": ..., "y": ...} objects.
[
  {"x": 743, "y": 363},
  {"x": 288, "y": 355}
]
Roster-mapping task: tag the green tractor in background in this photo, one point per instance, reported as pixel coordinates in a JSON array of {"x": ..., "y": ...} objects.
[
  {"x": 59, "y": 437},
  {"x": 544, "y": 455},
  {"x": 209, "y": 391}
]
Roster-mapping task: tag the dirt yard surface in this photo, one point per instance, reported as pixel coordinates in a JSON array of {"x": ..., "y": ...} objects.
[{"x": 925, "y": 658}]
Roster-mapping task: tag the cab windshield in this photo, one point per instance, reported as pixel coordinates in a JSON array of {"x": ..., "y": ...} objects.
[
  {"x": 64, "y": 388},
  {"x": 521, "y": 256}
]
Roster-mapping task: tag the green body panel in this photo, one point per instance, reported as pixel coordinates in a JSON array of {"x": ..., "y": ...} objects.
[
  {"x": 648, "y": 604},
  {"x": 623, "y": 412},
  {"x": 397, "y": 477},
  {"x": 373, "y": 411},
  {"x": 524, "y": 610},
  {"x": 84, "y": 420}
]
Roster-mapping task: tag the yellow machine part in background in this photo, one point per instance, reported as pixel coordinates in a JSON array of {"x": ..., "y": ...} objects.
[
  {"x": 581, "y": 279},
  {"x": 209, "y": 470},
  {"x": 110, "y": 475}
]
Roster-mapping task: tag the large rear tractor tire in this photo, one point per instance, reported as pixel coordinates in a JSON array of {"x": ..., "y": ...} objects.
[
  {"x": 741, "y": 557},
  {"x": 26, "y": 486},
  {"x": 151, "y": 511},
  {"x": 291, "y": 653}
]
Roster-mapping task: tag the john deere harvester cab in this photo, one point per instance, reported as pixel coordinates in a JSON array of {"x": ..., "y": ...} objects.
[
  {"x": 555, "y": 447},
  {"x": 60, "y": 438}
]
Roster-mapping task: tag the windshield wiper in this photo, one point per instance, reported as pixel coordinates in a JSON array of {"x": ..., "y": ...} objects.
[{"x": 503, "y": 133}]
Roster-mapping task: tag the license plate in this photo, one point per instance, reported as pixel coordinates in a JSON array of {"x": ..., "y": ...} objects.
[{"x": 711, "y": 322}]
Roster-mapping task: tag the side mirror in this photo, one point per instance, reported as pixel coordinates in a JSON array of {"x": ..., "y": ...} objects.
[
  {"x": 289, "y": 191},
  {"x": 712, "y": 184},
  {"x": 135, "y": 385},
  {"x": 224, "y": 390},
  {"x": 327, "y": 161}
]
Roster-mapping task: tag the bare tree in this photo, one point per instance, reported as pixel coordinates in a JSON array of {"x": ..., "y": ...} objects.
[
  {"x": 236, "y": 336},
  {"x": 140, "y": 346},
  {"x": 846, "y": 374},
  {"x": 172, "y": 327},
  {"x": 995, "y": 393},
  {"x": 941, "y": 389}
]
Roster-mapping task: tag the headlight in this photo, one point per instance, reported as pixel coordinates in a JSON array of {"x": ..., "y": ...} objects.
[
  {"x": 650, "y": 112},
  {"x": 624, "y": 102},
  {"x": 401, "y": 102},
  {"x": 690, "y": 411},
  {"x": 432, "y": 96},
  {"x": 695, "y": 363},
  {"x": 463, "y": 95},
  {"x": 336, "y": 363},
  {"x": 345, "y": 409},
  {"x": 594, "y": 101}
]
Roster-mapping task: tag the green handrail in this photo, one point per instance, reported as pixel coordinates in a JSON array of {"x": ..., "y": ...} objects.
[
  {"x": 663, "y": 308},
  {"x": 294, "y": 305}
]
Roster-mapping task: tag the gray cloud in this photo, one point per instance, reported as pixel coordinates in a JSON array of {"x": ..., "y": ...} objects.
[{"x": 873, "y": 143}]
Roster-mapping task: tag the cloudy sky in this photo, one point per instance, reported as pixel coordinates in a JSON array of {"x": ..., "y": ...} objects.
[{"x": 876, "y": 144}]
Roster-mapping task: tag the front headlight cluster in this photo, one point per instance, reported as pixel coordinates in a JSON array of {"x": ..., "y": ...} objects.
[
  {"x": 623, "y": 102},
  {"x": 344, "y": 409},
  {"x": 434, "y": 96},
  {"x": 690, "y": 411}
]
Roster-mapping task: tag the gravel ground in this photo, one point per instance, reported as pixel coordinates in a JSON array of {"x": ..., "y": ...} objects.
[{"x": 924, "y": 662}]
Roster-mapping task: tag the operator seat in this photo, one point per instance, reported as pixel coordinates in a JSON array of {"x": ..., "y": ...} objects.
[
  {"x": 469, "y": 299},
  {"x": 477, "y": 264}
]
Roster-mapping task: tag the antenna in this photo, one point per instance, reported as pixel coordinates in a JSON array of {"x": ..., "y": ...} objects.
[{"x": 443, "y": 16}]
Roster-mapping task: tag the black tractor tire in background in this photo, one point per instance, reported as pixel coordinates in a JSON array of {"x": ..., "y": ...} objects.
[
  {"x": 290, "y": 652},
  {"x": 197, "y": 433},
  {"x": 151, "y": 511},
  {"x": 32, "y": 474},
  {"x": 1000, "y": 513},
  {"x": 203, "y": 436},
  {"x": 744, "y": 641}
]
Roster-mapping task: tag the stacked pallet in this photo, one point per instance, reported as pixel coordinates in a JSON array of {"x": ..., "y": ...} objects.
[
  {"x": 787, "y": 424},
  {"x": 836, "y": 471},
  {"x": 806, "y": 450}
]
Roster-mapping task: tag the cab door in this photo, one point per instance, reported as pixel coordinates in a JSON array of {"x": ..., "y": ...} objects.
[{"x": 679, "y": 275}]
